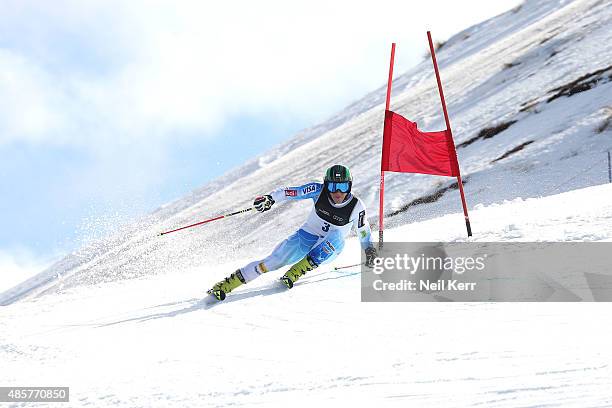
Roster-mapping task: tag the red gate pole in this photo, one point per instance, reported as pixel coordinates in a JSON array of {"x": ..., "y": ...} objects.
[
  {"x": 448, "y": 127},
  {"x": 382, "y": 173}
]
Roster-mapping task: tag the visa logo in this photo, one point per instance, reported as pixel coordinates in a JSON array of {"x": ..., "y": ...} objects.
[{"x": 309, "y": 189}]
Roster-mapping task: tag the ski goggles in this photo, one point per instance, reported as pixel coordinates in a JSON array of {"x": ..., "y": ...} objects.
[{"x": 343, "y": 186}]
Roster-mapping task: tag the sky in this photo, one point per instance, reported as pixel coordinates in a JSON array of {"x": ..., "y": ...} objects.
[{"x": 109, "y": 109}]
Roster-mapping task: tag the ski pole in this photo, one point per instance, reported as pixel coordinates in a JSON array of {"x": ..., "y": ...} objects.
[
  {"x": 348, "y": 266},
  {"x": 205, "y": 221}
]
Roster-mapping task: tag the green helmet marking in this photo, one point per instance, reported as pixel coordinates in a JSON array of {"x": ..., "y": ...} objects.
[{"x": 338, "y": 173}]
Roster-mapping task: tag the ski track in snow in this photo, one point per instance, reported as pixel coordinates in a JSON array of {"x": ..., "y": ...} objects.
[{"x": 155, "y": 341}]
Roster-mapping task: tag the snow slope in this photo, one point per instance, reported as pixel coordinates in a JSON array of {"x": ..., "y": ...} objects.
[
  {"x": 152, "y": 341},
  {"x": 529, "y": 92},
  {"x": 530, "y": 98}
]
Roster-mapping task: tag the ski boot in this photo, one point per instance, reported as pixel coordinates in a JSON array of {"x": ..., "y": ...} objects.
[
  {"x": 297, "y": 270},
  {"x": 221, "y": 289}
]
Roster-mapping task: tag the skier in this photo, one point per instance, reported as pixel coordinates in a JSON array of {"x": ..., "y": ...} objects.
[{"x": 336, "y": 211}]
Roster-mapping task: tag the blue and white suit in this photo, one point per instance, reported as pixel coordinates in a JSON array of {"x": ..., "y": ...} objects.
[{"x": 322, "y": 241}]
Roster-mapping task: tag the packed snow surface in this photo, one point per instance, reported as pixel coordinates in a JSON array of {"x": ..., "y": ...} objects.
[
  {"x": 122, "y": 321},
  {"x": 154, "y": 341}
]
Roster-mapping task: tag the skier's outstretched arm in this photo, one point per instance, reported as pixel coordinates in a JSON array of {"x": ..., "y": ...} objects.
[{"x": 309, "y": 190}]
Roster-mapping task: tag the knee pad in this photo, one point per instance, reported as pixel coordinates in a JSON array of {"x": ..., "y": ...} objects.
[{"x": 328, "y": 248}]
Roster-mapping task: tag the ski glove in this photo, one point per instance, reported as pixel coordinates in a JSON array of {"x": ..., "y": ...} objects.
[
  {"x": 371, "y": 255},
  {"x": 263, "y": 203}
]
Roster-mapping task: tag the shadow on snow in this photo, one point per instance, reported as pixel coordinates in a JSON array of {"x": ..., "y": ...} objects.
[{"x": 208, "y": 302}]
